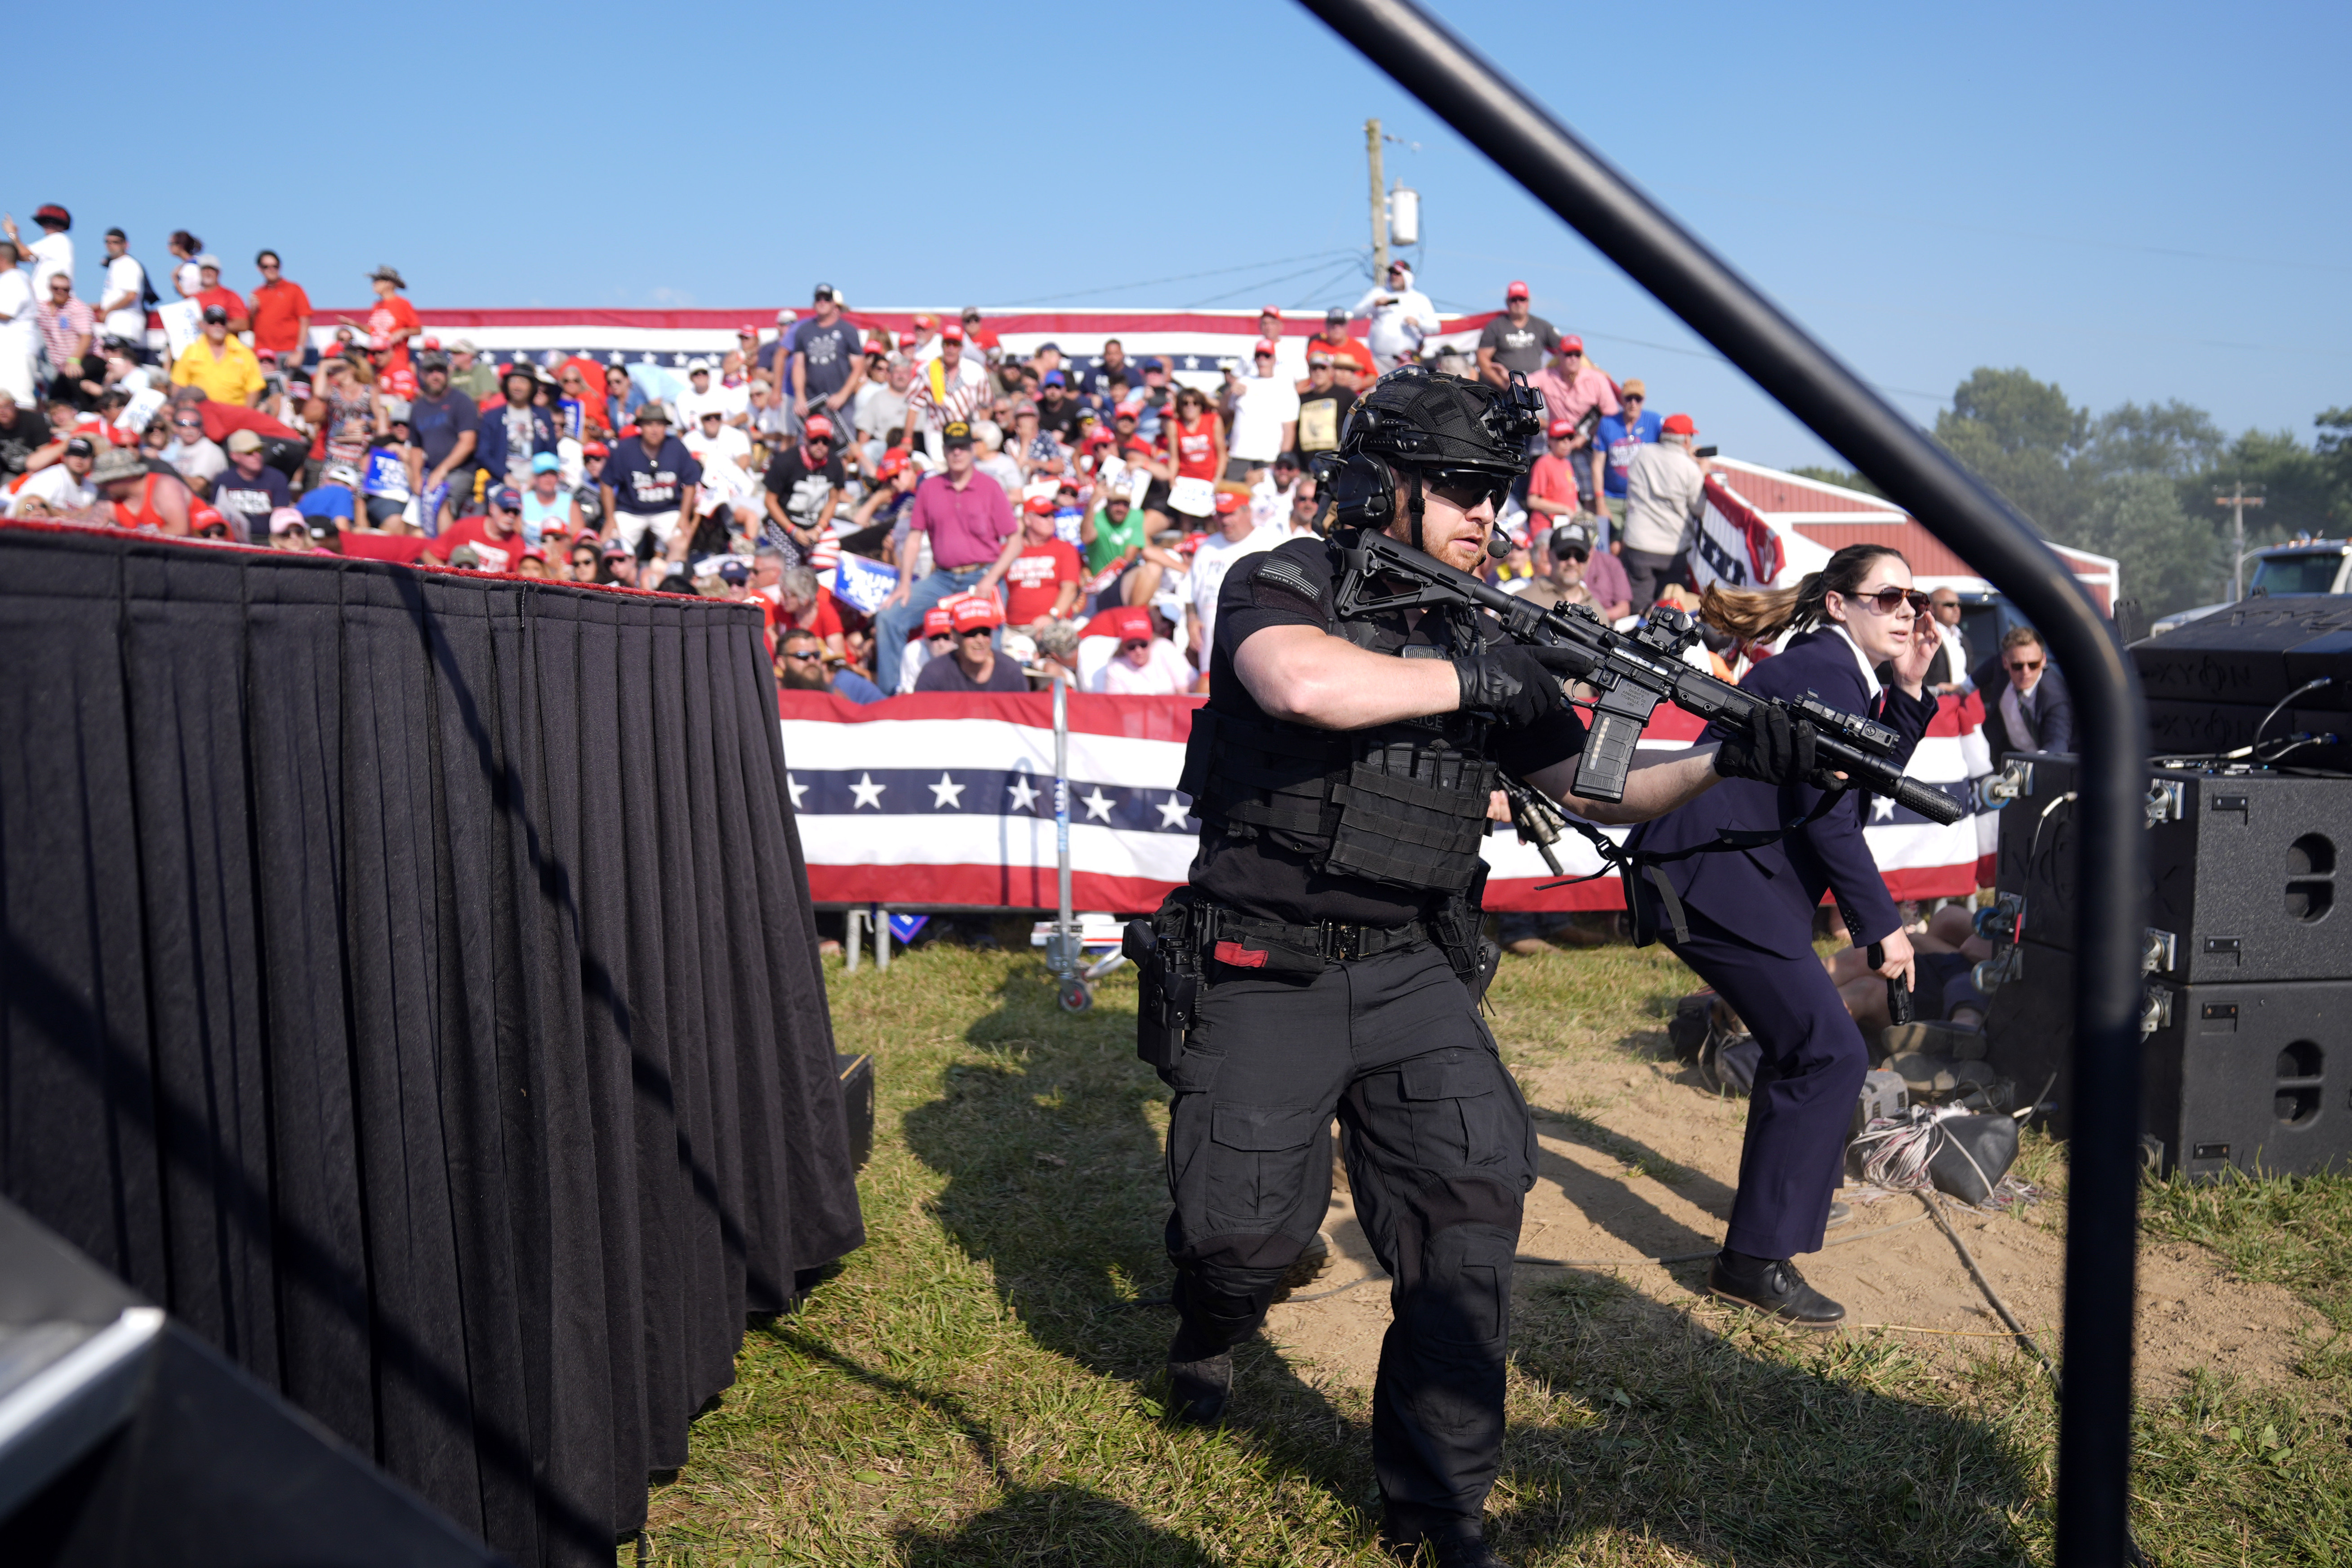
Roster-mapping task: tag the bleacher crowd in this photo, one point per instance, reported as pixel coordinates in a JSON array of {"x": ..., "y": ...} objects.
[{"x": 1009, "y": 517}]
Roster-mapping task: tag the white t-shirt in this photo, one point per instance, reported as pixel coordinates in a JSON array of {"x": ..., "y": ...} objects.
[
  {"x": 877, "y": 410},
  {"x": 201, "y": 459},
  {"x": 188, "y": 280},
  {"x": 1212, "y": 559},
  {"x": 730, "y": 402},
  {"x": 1270, "y": 505},
  {"x": 1164, "y": 674},
  {"x": 57, "y": 485},
  {"x": 52, "y": 253},
  {"x": 1262, "y": 407},
  {"x": 729, "y": 445},
  {"x": 16, "y": 301},
  {"x": 125, "y": 276},
  {"x": 1397, "y": 328}
]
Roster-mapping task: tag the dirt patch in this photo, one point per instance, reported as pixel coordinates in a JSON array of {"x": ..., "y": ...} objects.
[{"x": 1637, "y": 1161}]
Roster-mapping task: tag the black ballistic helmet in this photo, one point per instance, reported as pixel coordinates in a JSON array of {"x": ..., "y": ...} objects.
[{"x": 1422, "y": 421}]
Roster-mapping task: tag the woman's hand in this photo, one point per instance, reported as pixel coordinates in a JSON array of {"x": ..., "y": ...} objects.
[
  {"x": 1898, "y": 963},
  {"x": 1911, "y": 664}
]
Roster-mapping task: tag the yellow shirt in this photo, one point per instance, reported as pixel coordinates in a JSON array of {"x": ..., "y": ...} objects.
[{"x": 233, "y": 377}]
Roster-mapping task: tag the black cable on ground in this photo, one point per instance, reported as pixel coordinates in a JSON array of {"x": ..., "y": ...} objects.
[{"x": 2057, "y": 1386}]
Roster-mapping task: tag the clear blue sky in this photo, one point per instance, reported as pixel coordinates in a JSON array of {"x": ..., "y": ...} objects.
[{"x": 2140, "y": 202}]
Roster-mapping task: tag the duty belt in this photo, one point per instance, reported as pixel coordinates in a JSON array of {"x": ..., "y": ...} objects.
[{"x": 1324, "y": 940}]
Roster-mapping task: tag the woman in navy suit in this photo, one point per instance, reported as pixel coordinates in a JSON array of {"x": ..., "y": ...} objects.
[{"x": 1864, "y": 641}]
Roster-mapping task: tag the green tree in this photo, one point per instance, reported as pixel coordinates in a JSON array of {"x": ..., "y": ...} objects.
[
  {"x": 2022, "y": 436},
  {"x": 2300, "y": 494},
  {"x": 2170, "y": 560},
  {"x": 2171, "y": 439}
]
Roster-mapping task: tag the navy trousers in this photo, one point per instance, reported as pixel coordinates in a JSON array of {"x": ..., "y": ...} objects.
[
  {"x": 1803, "y": 1103},
  {"x": 1440, "y": 1151}
]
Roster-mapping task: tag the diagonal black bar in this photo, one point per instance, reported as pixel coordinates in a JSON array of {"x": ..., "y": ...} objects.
[{"x": 1603, "y": 205}]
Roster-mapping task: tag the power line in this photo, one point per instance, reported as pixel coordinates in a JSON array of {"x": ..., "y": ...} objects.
[
  {"x": 1262, "y": 283},
  {"x": 1319, "y": 258},
  {"x": 2172, "y": 251}
]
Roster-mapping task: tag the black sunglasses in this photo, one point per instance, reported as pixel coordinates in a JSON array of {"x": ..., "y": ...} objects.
[
  {"x": 805, "y": 657},
  {"x": 1465, "y": 488}
]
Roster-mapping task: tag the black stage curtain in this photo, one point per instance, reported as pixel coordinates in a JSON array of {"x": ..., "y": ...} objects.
[{"x": 408, "y": 981}]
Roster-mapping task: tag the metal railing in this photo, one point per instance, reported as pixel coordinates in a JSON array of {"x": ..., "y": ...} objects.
[{"x": 1576, "y": 182}]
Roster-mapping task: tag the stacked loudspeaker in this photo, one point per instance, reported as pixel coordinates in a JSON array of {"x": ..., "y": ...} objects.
[{"x": 2247, "y": 1012}]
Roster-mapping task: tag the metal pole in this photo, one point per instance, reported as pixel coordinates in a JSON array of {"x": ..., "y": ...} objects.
[
  {"x": 1576, "y": 182},
  {"x": 1379, "y": 202},
  {"x": 881, "y": 919},
  {"x": 1064, "y": 927},
  {"x": 853, "y": 937}
]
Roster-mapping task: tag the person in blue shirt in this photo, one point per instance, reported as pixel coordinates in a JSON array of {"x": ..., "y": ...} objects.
[
  {"x": 1615, "y": 439},
  {"x": 512, "y": 435},
  {"x": 800, "y": 667}
]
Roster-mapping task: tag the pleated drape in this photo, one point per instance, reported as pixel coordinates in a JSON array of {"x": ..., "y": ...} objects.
[{"x": 408, "y": 981}]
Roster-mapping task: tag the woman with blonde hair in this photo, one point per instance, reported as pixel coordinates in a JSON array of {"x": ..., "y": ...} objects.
[{"x": 1860, "y": 639}]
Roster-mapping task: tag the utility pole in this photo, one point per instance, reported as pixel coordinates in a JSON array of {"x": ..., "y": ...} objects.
[
  {"x": 2238, "y": 501},
  {"x": 1379, "y": 202}
]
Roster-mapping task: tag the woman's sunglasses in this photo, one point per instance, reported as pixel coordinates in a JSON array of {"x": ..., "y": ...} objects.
[{"x": 1887, "y": 601}]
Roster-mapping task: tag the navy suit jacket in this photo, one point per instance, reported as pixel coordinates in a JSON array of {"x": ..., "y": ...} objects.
[
  {"x": 2053, "y": 701},
  {"x": 1768, "y": 895}
]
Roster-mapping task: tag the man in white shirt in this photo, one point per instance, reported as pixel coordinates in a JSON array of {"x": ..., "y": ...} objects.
[
  {"x": 1265, "y": 419},
  {"x": 1665, "y": 494},
  {"x": 1270, "y": 497},
  {"x": 20, "y": 332},
  {"x": 733, "y": 403},
  {"x": 1400, "y": 315},
  {"x": 196, "y": 458},
  {"x": 1145, "y": 665},
  {"x": 881, "y": 405},
  {"x": 1952, "y": 664},
  {"x": 53, "y": 252},
  {"x": 1237, "y": 536},
  {"x": 122, "y": 313},
  {"x": 63, "y": 486}
]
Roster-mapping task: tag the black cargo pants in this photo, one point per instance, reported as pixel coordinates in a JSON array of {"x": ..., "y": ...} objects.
[{"x": 1440, "y": 1151}]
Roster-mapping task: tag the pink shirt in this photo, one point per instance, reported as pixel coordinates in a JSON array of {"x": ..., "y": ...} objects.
[
  {"x": 1568, "y": 399},
  {"x": 968, "y": 526}
]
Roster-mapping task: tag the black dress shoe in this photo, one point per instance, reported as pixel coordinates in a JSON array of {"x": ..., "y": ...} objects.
[
  {"x": 1455, "y": 1543},
  {"x": 1775, "y": 1288},
  {"x": 1198, "y": 1390}
]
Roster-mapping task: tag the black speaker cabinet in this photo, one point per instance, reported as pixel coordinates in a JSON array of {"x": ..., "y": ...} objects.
[
  {"x": 2236, "y": 1075},
  {"x": 2254, "y": 652},
  {"x": 2243, "y": 871}
]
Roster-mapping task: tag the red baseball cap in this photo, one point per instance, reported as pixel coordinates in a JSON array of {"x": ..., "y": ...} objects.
[
  {"x": 429, "y": 343},
  {"x": 1264, "y": 346},
  {"x": 596, "y": 449},
  {"x": 1563, "y": 427},
  {"x": 817, "y": 427},
  {"x": 1270, "y": 310},
  {"x": 378, "y": 343},
  {"x": 906, "y": 340},
  {"x": 1228, "y": 504},
  {"x": 1516, "y": 290},
  {"x": 893, "y": 464},
  {"x": 1571, "y": 345},
  {"x": 1041, "y": 506},
  {"x": 952, "y": 333},
  {"x": 939, "y": 621},
  {"x": 976, "y": 614},
  {"x": 1134, "y": 623},
  {"x": 748, "y": 329},
  {"x": 1679, "y": 425}
]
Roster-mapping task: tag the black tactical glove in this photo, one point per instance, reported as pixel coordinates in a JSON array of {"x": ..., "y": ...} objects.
[
  {"x": 1774, "y": 751},
  {"x": 1517, "y": 683}
]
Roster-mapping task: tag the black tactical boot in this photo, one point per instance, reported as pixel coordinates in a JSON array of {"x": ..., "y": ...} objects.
[
  {"x": 1452, "y": 1542},
  {"x": 1198, "y": 1390},
  {"x": 1771, "y": 1285}
]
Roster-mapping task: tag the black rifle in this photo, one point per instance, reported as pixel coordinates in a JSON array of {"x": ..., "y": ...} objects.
[{"x": 1634, "y": 672}]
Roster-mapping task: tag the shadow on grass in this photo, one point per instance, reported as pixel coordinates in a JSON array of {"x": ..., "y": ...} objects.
[
  {"x": 1059, "y": 1527},
  {"x": 1750, "y": 1445}
]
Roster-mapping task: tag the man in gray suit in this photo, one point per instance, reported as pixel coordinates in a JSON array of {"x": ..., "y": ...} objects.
[{"x": 2032, "y": 712}]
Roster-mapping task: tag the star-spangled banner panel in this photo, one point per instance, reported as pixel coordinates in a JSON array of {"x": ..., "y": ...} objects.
[{"x": 939, "y": 799}]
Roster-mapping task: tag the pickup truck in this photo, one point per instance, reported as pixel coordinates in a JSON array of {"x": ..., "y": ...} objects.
[{"x": 2313, "y": 566}]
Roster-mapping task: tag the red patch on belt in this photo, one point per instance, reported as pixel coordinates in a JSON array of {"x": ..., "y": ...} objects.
[{"x": 1240, "y": 957}]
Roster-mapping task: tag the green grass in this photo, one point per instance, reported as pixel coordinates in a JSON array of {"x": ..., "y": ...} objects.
[{"x": 977, "y": 1385}]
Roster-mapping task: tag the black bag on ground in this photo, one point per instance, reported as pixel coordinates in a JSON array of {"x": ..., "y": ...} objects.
[{"x": 1970, "y": 1155}]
